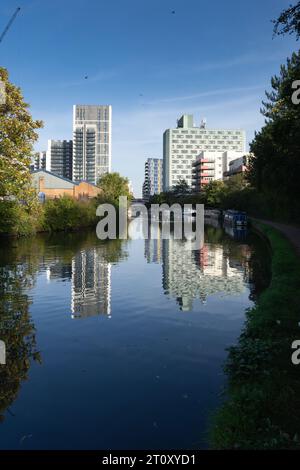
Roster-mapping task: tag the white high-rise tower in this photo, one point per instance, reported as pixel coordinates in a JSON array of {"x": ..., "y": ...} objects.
[{"x": 91, "y": 142}]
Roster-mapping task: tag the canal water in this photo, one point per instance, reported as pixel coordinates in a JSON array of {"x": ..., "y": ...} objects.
[{"x": 119, "y": 344}]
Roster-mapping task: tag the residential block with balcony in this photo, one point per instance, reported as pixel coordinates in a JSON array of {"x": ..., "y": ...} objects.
[{"x": 211, "y": 166}]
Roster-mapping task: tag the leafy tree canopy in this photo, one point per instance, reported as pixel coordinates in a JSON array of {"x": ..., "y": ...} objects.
[
  {"x": 181, "y": 187},
  {"x": 289, "y": 21},
  {"x": 17, "y": 135},
  {"x": 113, "y": 186},
  {"x": 274, "y": 167}
]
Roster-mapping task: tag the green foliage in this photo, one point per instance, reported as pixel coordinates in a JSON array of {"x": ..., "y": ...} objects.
[
  {"x": 170, "y": 198},
  {"x": 18, "y": 219},
  {"x": 181, "y": 188},
  {"x": 65, "y": 214},
  {"x": 274, "y": 168},
  {"x": 113, "y": 186},
  {"x": 214, "y": 193},
  {"x": 289, "y": 21},
  {"x": 17, "y": 135},
  {"x": 262, "y": 406},
  {"x": 19, "y": 208}
]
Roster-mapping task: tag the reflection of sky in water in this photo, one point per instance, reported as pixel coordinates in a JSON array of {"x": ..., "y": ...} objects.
[{"x": 142, "y": 368}]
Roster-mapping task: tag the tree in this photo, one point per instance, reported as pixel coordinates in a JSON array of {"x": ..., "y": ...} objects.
[
  {"x": 181, "y": 188},
  {"x": 274, "y": 167},
  {"x": 289, "y": 21},
  {"x": 158, "y": 198},
  {"x": 236, "y": 182},
  {"x": 214, "y": 193},
  {"x": 17, "y": 135},
  {"x": 113, "y": 186}
]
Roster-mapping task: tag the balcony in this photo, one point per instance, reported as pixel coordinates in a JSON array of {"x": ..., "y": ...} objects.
[{"x": 207, "y": 167}]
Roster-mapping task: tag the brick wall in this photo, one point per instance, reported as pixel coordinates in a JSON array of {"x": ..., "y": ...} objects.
[{"x": 82, "y": 191}]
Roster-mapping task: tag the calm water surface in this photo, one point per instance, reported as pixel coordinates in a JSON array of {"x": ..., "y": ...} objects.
[{"x": 120, "y": 344}]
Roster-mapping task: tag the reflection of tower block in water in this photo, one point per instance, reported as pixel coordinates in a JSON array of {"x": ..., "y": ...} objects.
[
  {"x": 196, "y": 274},
  {"x": 185, "y": 303},
  {"x": 153, "y": 246},
  {"x": 91, "y": 288}
]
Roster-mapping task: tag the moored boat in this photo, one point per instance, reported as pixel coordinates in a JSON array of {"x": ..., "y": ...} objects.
[{"x": 235, "y": 218}]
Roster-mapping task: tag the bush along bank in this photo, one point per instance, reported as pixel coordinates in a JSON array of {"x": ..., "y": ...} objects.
[
  {"x": 261, "y": 408},
  {"x": 19, "y": 220},
  {"x": 66, "y": 214},
  {"x": 61, "y": 214}
]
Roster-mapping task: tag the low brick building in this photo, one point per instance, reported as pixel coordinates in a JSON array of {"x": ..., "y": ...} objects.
[{"x": 53, "y": 186}]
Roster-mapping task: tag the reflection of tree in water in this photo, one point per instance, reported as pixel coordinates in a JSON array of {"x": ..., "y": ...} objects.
[
  {"x": 259, "y": 269},
  {"x": 20, "y": 260},
  {"x": 113, "y": 251},
  {"x": 64, "y": 246},
  {"x": 16, "y": 329}
]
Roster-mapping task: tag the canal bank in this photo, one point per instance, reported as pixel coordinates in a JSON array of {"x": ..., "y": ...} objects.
[
  {"x": 291, "y": 232},
  {"x": 261, "y": 407}
]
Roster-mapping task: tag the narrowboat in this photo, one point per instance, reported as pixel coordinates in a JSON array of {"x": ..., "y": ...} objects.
[{"x": 235, "y": 218}]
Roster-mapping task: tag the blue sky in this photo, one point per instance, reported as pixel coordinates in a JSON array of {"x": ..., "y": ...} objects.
[{"x": 211, "y": 58}]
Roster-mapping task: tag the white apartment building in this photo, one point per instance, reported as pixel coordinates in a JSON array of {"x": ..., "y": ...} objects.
[
  {"x": 91, "y": 142},
  {"x": 182, "y": 146},
  {"x": 238, "y": 166},
  {"x": 39, "y": 161},
  {"x": 153, "y": 183},
  {"x": 211, "y": 166}
]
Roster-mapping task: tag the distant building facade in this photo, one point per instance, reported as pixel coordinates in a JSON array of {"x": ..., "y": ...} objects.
[
  {"x": 39, "y": 161},
  {"x": 52, "y": 186},
  {"x": 237, "y": 166},
  {"x": 211, "y": 166},
  {"x": 59, "y": 158},
  {"x": 182, "y": 145},
  {"x": 130, "y": 187},
  {"x": 91, "y": 142},
  {"x": 153, "y": 183}
]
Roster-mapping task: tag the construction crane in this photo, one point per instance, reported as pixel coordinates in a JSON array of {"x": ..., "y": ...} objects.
[{"x": 9, "y": 24}]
